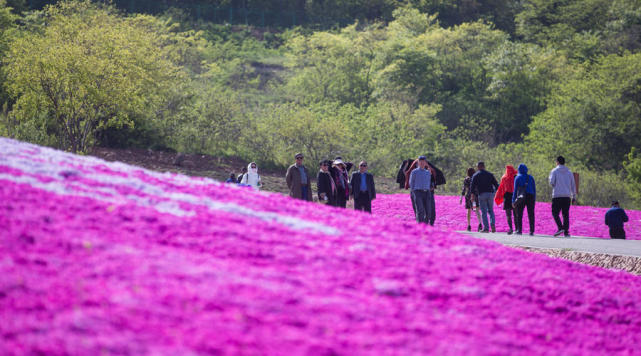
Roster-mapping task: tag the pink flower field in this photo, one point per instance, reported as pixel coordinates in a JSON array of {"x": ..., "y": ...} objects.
[
  {"x": 106, "y": 258},
  {"x": 584, "y": 220}
]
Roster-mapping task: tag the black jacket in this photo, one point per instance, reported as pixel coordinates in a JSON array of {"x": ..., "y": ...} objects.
[
  {"x": 400, "y": 175},
  {"x": 483, "y": 182},
  {"x": 355, "y": 185},
  {"x": 615, "y": 217},
  {"x": 324, "y": 185}
]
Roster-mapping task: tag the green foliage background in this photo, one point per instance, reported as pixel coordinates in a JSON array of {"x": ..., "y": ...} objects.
[{"x": 502, "y": 81}]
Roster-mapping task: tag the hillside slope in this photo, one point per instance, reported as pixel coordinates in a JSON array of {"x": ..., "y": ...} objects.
[{"x": 102, "y": 257}]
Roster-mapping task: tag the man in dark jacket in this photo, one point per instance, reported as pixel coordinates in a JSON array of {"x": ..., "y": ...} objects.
[
  {"x": 298, "y": 180},
  {"x": 614, "y": 218},
  {"x": 483, "y": 187},
  {"x": 362, "y": 188}
]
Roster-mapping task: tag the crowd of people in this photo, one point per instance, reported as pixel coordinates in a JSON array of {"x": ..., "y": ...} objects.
[
  {"x": 516, "y": 192},
  {"x": 334, "y": 185}
]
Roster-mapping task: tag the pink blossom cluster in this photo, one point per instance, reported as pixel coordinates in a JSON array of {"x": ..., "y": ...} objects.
[
  {"x": 450, "y": 215},
  {"x": 105, "y": 258}
]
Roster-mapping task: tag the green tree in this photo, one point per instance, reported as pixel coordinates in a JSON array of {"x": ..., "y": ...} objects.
[
  {"x": 632, "y": 166},
  {"x": 594, "y": 115},
  {"x": 7, "y": 24},
  {"x": 333, "y": 67},
  {"x": 87, "y": 69},
  {"x": 522, "y": 75}
]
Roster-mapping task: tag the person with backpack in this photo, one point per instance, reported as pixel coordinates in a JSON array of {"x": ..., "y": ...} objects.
[
  {"x": 483, "y": 187},
  {"x": 504, "y": 195},
  {"x": 524, "y": 196},
  {"x": 240, "y": 176},
  {"x": 614, "y": 218},
  {"x": 563, "y": 194},
  {"x": 251, "y": 178},
  {"x": 470, "y": 205}
]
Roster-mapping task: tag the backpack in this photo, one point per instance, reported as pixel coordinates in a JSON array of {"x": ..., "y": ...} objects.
[{"x": 520, "y": 194}]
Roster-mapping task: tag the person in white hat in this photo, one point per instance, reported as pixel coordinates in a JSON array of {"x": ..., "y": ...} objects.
[{"x": 339, "y": 173}]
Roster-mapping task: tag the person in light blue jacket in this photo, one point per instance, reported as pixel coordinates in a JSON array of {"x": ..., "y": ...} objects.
[{"x": 524, "y": 184}]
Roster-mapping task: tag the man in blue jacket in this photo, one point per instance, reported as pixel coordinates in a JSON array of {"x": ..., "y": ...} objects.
[
  {"x": 524, "y": 183},
  {"x": 614, "y": 218}
]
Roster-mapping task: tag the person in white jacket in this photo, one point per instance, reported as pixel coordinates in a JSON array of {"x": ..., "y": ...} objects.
[
  {"x": 252, "y": 178},
  {"x": 563, "y": 194}
]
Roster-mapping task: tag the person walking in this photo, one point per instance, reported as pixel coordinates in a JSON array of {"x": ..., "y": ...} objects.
[
  {"x": 325, "y": 186},
  {"x": 483, "y": 187},
  {"x": 504, "y": 195},
  {"x": 297, "y": 178},
  {"x": 614, "y": 218},
  {"x": 420, "y": 184},
  {"x": 251, "y": 178},
  {"x": 437, "y": 178},
  {"x": 470, "y": 205},
  {"x": 563, "y": 194},
  {"x": 362, "y": 188},
  {"x": 524, "y": 196},
  {"x": 339, "y": 173}
]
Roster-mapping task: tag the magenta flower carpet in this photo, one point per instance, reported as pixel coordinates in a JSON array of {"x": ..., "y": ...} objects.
[
  {"x": 450, "y": 215},
  {"x": 105, "y": 258}
]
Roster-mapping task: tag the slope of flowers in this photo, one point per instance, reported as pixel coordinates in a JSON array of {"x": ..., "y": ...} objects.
[
  {"x": 450, "y": 215},
  {"x": 105, "y": 258}
]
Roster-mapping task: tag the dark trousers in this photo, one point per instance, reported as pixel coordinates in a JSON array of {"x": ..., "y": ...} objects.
[
  {"x": 432, "y": 215},
  {"x": 341, "y": 199},
  {"x": 518, "y": 213},
  {"x": 432, "y": 203},
  {"x": 617, "y": 233},
  {"x": 304, "y": 191},
  {"x": 509, "y": 213},
  {"x": 561, "y": 205},
  {"x": 422, "y": 205},
  {"x": 363, "y": 202}
]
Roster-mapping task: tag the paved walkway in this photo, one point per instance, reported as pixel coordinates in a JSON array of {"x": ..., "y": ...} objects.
[{"x": 574, "y": 243}]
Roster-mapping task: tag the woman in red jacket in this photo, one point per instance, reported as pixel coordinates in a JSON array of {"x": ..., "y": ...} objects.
[{"x": 504, "y": 194}]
